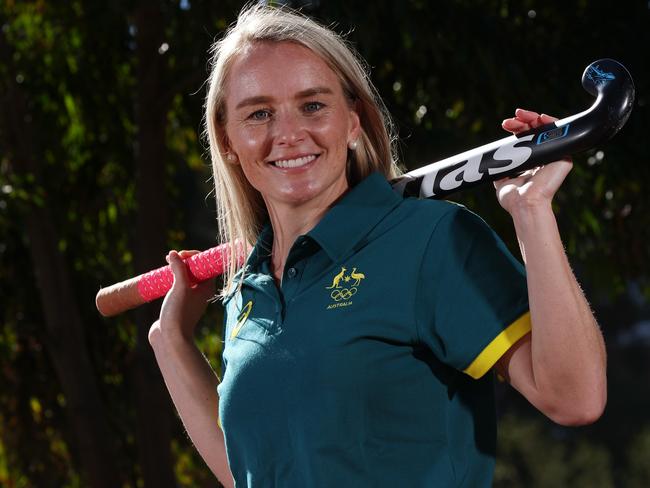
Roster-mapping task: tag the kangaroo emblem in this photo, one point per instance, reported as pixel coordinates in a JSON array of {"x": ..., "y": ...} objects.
[
  {"x": 337, "y": 279},
  {"x": 357, "y": 277}
]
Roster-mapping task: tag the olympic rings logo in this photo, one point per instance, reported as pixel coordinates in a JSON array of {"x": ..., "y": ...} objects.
[{"x": 343, "y": 293}]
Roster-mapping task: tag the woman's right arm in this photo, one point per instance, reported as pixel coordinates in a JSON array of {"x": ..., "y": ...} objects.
[{"x": 188, "y": 375}]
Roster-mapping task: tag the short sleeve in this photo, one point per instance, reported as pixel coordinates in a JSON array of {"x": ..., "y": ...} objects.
[{"x": 472, "y": 299}]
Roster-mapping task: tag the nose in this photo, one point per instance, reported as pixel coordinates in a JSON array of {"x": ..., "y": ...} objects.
[{"x": 288, "y": 129}]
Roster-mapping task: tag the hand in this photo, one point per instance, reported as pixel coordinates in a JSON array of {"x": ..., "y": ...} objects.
[
  {"x": 184, "y": 304},
  {"x": 535, "y": 187}
]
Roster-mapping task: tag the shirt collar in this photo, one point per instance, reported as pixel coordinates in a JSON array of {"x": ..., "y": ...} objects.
[
  {"x": 262, "y": 248},
  {"x": 354, "y": 216},
  {"x": 344, "y": 225}
]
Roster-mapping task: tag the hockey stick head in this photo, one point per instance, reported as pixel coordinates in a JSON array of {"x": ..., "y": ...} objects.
[{"x": 612, "y": 84}]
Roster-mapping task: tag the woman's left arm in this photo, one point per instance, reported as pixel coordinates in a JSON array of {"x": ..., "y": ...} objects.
[{"x": 560, "y": 367}]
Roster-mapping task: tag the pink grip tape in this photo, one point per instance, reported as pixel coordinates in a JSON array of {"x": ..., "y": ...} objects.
[{"x": 202, "y": 266}]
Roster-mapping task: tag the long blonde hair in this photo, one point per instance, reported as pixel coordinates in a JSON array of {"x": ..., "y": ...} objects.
[{"x": 241, "y": 212}]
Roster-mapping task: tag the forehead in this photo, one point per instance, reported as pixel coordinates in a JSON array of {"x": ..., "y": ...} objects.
[{"x": 277, "y": 69}]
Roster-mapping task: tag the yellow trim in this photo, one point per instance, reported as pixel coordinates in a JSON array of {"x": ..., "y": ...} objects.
[
  {"x": 241, "y": 320},
  {"x": 499, "y": 345}
]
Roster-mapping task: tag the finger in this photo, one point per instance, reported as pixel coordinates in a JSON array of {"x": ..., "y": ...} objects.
[
  {"x": 178, "y": 268},
  {"x": 514, "y": 125},
  {"x": 547, "y": 119},
  {"x": 187, "y": 253},
  {"x": 543, "y": 119},
  {"x": 533, "y": 118},
  {"x": 527, "y": 116}
]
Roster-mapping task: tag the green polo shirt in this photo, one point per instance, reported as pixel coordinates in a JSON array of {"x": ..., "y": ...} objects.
[{"x": 366, "y": 368}]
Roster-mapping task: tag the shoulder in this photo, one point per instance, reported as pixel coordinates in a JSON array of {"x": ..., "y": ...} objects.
[
  {"x": 442, "y": 216},
  {"x": 420, "y": 223},
  {"x": 430, "y": 206}
]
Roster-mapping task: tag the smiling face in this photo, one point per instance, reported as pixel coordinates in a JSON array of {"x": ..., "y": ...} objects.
[{"x": 289, "y": 123}]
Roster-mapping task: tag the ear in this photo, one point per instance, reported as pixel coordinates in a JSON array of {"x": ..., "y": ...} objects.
[
  {"x": 355, "y": 124},
  {"x": 229, "y": 156}
]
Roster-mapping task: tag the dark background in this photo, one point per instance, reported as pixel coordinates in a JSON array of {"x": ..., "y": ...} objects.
[{"x": 103, "y": 169}]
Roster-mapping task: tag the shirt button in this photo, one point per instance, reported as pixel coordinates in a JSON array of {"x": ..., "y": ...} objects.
[{"x": 292, "y": 272}]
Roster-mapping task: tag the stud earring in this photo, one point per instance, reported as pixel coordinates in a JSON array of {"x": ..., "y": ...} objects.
[
  {"x": 353, "y": 145},
  {"x": 230, "y": 157}
]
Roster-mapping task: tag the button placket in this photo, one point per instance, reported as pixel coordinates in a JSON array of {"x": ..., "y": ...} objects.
[{"x": 291, "y": 282}]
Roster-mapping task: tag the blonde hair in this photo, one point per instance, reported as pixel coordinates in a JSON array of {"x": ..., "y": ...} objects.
[{"x": 241, "y": 212}]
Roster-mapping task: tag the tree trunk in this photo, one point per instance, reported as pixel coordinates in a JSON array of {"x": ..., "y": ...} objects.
[
  {"x": 93, "y": 446},
  {"x": 154, "y": 413}
]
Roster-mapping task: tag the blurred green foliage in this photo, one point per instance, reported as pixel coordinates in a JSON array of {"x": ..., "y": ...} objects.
[
  {"x": 530, "y": 455},
  {"x": 449, "y": 72}
]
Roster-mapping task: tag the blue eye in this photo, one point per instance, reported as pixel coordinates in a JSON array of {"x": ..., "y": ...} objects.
[
  {"x": 260, "y": 115},
  {"x": 313, "y": 106}
]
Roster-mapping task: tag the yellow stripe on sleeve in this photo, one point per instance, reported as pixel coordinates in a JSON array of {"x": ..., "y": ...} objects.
[{"x": 499, "y": 345}]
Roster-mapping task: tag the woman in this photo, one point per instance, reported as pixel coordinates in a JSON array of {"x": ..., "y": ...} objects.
[{"x": 361, "y": 329}]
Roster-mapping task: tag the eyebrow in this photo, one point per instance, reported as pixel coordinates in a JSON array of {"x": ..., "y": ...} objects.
[
  {"x": 317, "y": 90},
  {"x": 262, "y": 99}
]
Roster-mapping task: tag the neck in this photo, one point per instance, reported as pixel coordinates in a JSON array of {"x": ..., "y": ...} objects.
[{"x": 289, "y": 222}]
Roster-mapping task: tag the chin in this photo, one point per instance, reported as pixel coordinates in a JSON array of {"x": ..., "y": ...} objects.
[{"x": 298, "y": 194}]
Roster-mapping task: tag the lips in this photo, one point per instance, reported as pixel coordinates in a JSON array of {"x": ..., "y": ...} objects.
[{"x": 295, "y": 162}]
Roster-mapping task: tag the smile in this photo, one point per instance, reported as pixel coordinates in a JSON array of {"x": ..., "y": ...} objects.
[{"x": 295, "y": 163}]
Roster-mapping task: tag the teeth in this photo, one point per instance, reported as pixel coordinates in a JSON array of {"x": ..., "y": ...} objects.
[{"x": 295, "y": 163}]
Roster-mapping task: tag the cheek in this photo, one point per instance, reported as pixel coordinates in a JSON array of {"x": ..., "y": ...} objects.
[
  {"x": 332, "y": 133},
  {"x": 250, "y": 143}
]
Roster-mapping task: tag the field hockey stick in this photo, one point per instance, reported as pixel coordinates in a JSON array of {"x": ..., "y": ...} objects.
[
  {"x": 605, "y": 79},
  {"x": 154, "y": 284}
]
